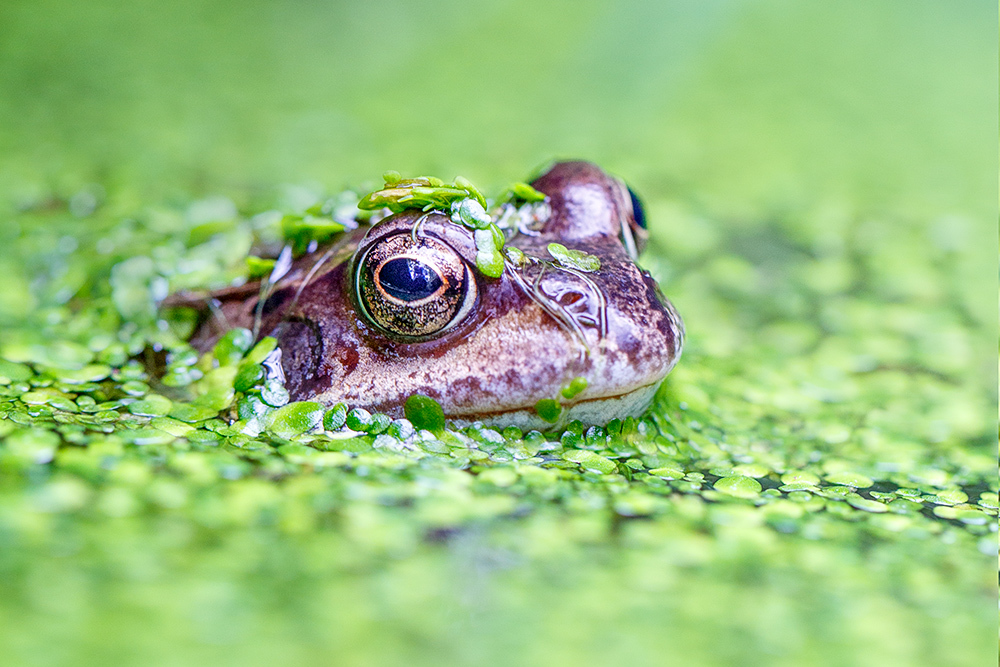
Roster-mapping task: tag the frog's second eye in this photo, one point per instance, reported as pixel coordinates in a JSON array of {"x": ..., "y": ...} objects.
[
  {"x": 633, "y": 223},
  {"x": 638, "y": 212},
  {"x": 413, "y": 288}
]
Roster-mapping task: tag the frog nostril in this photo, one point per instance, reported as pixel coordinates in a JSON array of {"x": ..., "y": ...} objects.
[
  {"x": 570, "y": 299},
  {"x": 408, "y": 279}
]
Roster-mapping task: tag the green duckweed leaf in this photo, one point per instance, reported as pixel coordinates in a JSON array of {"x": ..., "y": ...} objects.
[
  {"x": 13, "y": 372},
  {"x": 489, "y": 259},
  {"x": 805, "y": 478},
  {"x": 301, "y": 230},
  {"x": 738, "y": 486},
  {"x": 233, "y": 345},
  {"x": 850, "y": 479},
  {"x": 147, "y": 436},
  {"x": 379, "y": 423},
  {"x": 135, "y": 388},
  {"x": 89, "y": 373},
  {"x": 250, "y": 407},
  {"x": 548, "y": 409},
  {"x": 260, "y": 351},
  {"x": 258, "y": 267},
  {"x": 153, "y": 405},
  {"x": 574, "y": 259},
  {"x": 591, "y": 461},
  {"x": 190, "y": 413},
  {"x": 668, "y": 472},
  {"x": 867, "y": 505},
  {"x": 385, "y": 198},
  {"x": 574, "y": 387},
  {"x": 952, "y": 497},
  {"x": 274, "y": 393},
  {"x": 249, "y": 376},
  {"x": 751, "y": 470},
  {"x": 426, "y": 193},
  {"x": 359, "y": 419},
  {"x": 419, "y": 193},
  {"x": 335, "y": 418},
  {"x": 185, "y": 356},
  {"x": 526, "y": 192},
  {"x": 172, "y": 426},
  {"x": 516, "y": 256},
  {"x": 471, "y": 213},
  {"x": 295, "y": 419},
  {"x": 990, "y": 500},
  {"x": 464, "y": 184},
  {"x": 424, "y": 413},
  {"x": 181, "y": 377}
]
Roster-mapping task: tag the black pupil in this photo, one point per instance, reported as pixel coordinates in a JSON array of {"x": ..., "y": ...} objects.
[
  {"x": 637, "y": 211},
  {"x": 408, "y": 279}
]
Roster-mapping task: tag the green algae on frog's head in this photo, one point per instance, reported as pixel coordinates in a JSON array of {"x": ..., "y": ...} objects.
[{"x": 400, "y": 308}]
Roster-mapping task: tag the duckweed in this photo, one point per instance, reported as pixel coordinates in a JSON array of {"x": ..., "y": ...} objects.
[
  {"x": 424, "y": 413},
  {"x": 152, "y": 405},
  {"x": 359, "y": 419},
  {"x": 295, "y": 419},
  {"x": 574, "y": 259},
  {"x": 335, "y": 417},
  {"x": 850, "y": 479},
  {"x": 591, "y": 461},
  {"x": 574, "y": 387},
  {"x": 489, "y": 255},
  {"x": 738, "y": 486},
  {"x": 548, "y": 409},
  {"x": 815, "y": 484}
]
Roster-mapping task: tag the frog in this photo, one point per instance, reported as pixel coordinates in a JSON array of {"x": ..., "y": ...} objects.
[{"x": 400, "y": 308}]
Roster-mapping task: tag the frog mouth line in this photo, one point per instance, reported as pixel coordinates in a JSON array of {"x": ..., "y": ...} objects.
[{"x": 589, "y": 411}]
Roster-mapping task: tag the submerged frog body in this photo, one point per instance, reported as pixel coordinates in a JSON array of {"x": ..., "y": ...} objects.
[{"x": 399, "y": 308}]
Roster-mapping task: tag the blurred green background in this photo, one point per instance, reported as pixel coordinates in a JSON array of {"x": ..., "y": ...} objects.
[
  {"x": 821, "y": 181},
  {"x": 886, "y": 103}
]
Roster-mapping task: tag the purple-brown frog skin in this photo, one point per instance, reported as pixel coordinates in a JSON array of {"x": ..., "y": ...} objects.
[{"x": 513, "y": 340}]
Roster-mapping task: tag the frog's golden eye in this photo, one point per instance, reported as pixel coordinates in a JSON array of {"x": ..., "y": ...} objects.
[{"x": 414, "y": 288}]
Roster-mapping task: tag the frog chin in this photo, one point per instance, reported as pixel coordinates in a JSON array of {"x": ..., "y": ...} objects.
[{"x": 590, "y": 412}]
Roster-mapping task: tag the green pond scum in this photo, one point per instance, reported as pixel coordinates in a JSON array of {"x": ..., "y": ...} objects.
[{"x": 815, "y": 484}]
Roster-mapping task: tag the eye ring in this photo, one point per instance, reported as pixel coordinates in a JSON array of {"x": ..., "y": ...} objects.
[{"x": 413, "y": 288}]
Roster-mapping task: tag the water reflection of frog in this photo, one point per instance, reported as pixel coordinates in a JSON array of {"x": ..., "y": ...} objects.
[{"x": 388, "y": 311}]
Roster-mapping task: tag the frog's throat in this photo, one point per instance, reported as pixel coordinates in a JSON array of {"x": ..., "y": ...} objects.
[{"x": 589, "y": 412}]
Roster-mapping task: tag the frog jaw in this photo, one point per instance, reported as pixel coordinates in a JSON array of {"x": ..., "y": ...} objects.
[{"x": 593, "y": 411}]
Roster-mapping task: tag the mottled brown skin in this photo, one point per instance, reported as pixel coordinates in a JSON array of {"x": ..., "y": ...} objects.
[{"x": 508, "y": 353}]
